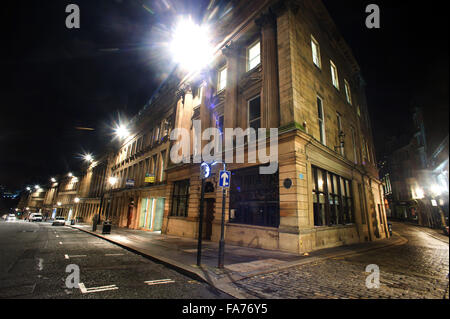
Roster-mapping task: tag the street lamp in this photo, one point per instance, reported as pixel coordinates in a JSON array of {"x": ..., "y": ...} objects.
[
  {"x": 76, "y": 200},
  {"x": 190, "y": 45},
  {"x": 88, "y": 158},
  {"x": 28, "y": 189},
  {"x": 121, "y": 131},
  {"x": 36, "y": 187},
  {"x": 70, "y": 174},
  {"x": 53, "y": 180}
]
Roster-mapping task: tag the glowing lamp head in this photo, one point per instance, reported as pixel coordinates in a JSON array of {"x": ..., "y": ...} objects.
[
  {"x": 36, "y": 187},
  {"x": 190, "y": 46},
  {"x": 70, "y": 174},
  {"x": 112, "y": 180},
  {"x": 28, "y": 189},
  {"x": 53, "y": 180},
  {"x": 121, "y": 132},
  {"x": 76, "y": 200},
  {"x": 88, "y": 158},
  {"x": 436, "y": 190}
]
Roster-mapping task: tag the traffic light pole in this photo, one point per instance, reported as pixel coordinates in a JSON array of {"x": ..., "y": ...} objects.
[{"x": 200, "y": 226}]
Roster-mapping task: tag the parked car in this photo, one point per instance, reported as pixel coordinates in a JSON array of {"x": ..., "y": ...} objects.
[
  {"x": 35, "y": 217},
  {"x": 11, "y": 218},
  {"x": 59, "y": 221}
]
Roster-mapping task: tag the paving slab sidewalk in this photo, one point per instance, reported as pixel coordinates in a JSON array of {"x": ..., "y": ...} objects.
[{"x": 240, "y": 262}]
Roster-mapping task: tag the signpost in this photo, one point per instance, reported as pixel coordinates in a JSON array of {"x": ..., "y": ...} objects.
[
  {"x": 224, "y": 182},
  {"x": 149, "y": 178},
  {"x": 205, "y": 172}
]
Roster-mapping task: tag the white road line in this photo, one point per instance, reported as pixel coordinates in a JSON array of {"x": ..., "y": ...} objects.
[
  {"x": 159, "y": 282},
  {"x": 85, "y": 290},
  {"x": 76, "y": 256},
  {"x": 114, "y": 254}
]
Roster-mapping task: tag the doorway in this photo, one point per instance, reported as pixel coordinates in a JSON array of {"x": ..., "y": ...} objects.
[{"x": 209, "y": 216}]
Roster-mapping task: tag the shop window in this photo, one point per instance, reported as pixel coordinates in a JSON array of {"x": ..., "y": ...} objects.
[
  {"x": 254, "y": 198},
  {"x": 332, "y": 199},
  {"x": 180, "y": 198}
]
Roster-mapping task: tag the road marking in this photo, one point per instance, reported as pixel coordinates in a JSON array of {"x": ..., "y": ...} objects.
[
  {"x": 159, "y": 282},
  {"x": 114, "y": 254},
  {"x": 85, "y": 290}
]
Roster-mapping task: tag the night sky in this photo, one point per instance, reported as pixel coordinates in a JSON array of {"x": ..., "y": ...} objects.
[{"x": 56, "y": 79}]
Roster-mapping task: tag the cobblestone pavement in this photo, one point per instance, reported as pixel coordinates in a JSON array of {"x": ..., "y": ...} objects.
[{"x": 415, "y": 270}]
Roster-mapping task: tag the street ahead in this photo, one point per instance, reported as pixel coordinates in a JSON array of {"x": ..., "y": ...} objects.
[{"x": 34, "y": 257}]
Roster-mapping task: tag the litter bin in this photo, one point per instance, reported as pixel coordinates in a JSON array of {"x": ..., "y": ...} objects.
[
  {"x": 106, "y": 228},
  {"x": 72, "y": 222}
]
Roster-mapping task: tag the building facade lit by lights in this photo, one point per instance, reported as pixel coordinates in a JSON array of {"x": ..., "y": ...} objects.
[{"x": 279, "y": 64}]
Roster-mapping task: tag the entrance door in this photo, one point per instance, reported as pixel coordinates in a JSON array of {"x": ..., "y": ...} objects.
[{"x": 209, "y": 217}]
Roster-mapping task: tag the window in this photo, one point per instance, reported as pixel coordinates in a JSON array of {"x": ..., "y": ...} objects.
[
  {"x": 254, "y": 113},
  {"x": 315, "y": 51},
  {"x": 222, "y": 79},
  {"x": 253, "y": 55},
  {"x": 334, "y": 75},
  {"x": 332, "y": 199},
  {"x": 219, "y": 124},
  {"x": 254, "y": 198},
  {"x": 320, "y": 117},
  {"x": 339, "y": 131},
  {"x": 180, "y": 198},
  {"x": 348, "y": 93}
]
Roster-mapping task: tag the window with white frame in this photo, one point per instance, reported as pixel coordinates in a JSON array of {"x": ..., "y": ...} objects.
[
  {"x": 348, "y": 92},
  {"x": 334, "y": 75},
  {"x": 222, "y": 79},
  {"x": 320, "y": 118},
  {"x": 253, "y": 55},
  {"x": 254, "y": 112},
  {"x": 315, "y": 51}
]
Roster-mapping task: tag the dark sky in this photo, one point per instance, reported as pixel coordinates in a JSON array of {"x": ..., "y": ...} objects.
[{"x": 56, "y": 79}]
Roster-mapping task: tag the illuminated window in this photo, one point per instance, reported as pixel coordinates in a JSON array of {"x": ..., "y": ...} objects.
[
  {"x": 315, "y": 51},
  {"x": 334, "y": 75},
  {"x": 348, "y": 93},
  {"x": 253, "y": 55},
  {"x": 222, "y": 79},
  {"x": 320, "y": 118},
  {"x": 254, "y": 113}
]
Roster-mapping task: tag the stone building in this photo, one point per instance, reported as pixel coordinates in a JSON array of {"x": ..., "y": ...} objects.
[{"x": 280, "y": 64}]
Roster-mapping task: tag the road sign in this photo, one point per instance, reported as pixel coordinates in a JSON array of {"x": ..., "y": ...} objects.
[
  {"x": 224, "y": 178},
  {"x": 205, "y": 170},
  {"x": 149, "y": 178}
]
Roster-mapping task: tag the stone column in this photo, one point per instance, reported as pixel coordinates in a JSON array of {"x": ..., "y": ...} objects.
[
  {"x": 231, "y": 91},
  {"x": 270, "y": 93}
]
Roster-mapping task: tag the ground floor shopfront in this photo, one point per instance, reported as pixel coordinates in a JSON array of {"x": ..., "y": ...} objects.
[{"x": 317, "y": 199}]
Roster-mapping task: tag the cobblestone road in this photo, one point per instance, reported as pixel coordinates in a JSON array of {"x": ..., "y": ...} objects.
[{"x": 415, "y": 270}]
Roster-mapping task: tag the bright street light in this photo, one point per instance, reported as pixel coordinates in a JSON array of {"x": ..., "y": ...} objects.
[
  {"x": 121, "y": 132},
  {"x": 36, "y": 186},
  {"x": 191, "y": 45},
  {"x": 53, "y": 180},
  {"x": 28, "y": 189},
  {"x": 436, "y": 190},
  {"x": 58, "y": 203},
  {"x": 112, "y": 180},
  {"x": 70, "y": 174},
  {"x": 76, "y": 200},
  {"x": 88, "y": 158}
]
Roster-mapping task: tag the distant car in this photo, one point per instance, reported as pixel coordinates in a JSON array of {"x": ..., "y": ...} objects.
[
  {"x": 59, "y": 221},
  {"x": 11, "y": 218},
  {"x": 35, "y": 218}
]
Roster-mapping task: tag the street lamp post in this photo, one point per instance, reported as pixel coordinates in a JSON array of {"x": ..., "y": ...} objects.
[
  {"x": 222, "y": 226},
  {"x": 205, "y": 172}
]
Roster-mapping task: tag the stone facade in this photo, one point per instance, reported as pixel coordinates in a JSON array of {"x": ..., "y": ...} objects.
[{"x": 272, "y": 82}]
